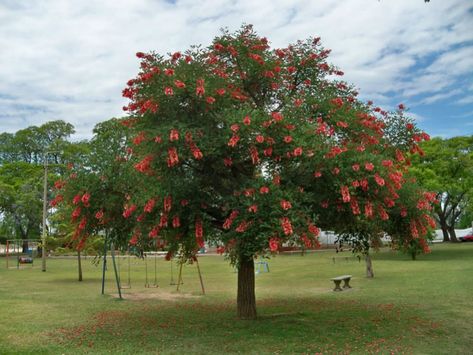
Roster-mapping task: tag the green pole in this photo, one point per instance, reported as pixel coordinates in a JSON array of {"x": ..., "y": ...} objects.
[
  {"x": 112, "y": 249},
  {"x": 104, "y": 265}
]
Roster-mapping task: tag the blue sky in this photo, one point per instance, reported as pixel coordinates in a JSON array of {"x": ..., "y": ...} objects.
[{"x": 70, "y": 59}]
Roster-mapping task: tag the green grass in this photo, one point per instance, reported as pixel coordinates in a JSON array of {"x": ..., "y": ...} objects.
[{"x": 413, "y": 307}]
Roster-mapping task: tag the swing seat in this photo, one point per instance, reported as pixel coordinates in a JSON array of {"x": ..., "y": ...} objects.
[{"x": 25, "y": 260}]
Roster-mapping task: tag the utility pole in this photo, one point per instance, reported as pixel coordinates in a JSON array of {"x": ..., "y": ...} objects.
[{"x": 45, "y": 207}]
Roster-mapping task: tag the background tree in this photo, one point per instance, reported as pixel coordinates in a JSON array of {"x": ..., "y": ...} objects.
[
  {"x": 22, "y": 156},
  {"x": 232, "y": 140},
  {"x": 96, "y": 191},
  {"x": 447, "y": 169}
]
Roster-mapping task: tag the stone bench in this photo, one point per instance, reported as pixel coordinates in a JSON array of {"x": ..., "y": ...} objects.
[{"x": 337, "y": 280}]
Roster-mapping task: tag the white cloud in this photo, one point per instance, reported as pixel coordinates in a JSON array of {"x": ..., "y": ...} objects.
[{"x": 70, "y": 60}]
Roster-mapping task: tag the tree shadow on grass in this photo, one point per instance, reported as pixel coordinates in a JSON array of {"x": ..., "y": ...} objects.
[
  {"x": 297, "y": 325},
  {"x": 455, "y": 252}
]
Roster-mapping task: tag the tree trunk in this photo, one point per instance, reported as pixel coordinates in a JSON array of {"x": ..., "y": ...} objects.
[
  {"x": 369, "y": 266},
  {"x": 246, "y": 300},
  {"x": 24, "y": 246},
  {"x": 413, "y": 255},
  {"x": 446, "y": 237},
  {"x": 453, "y": 235},
  {"x": 79, "y": 264}
]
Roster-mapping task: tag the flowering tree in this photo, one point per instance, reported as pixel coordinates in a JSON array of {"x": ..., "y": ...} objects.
[
  {"x": 97, "y": 192},
  {"x": 249, "y": 147}
]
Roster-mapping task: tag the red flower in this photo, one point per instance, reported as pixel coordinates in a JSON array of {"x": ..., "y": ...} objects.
[
  {"x": 387, "y": 163},
  {"x": 286, "y": 226},
  {"x": 401, "y": 107},
  {"x": 274, "y": 244},
  {"x": 369, "y": 166},
  {"x": 220, "y": 250},
  {"x": 233, "y": 141},
  {"x": 139, "y": 138},
  {"x": 379, "y": 179},
  {"x": 227, "y": 161},
  {"x": 297, "y": 151},
  {"x": 218, "y": 47},
  {"x": 173, "y": 135},
  {"x": 168, "y": 91},
  {"x": 83, "y": 223},
  {"x": 140, "y": 54},
  {"x": 285, "y": 204},
  {"x": 210, "y": 100},
  {"x": 220, "y": 91},
  {"x": 149, "y": 205},
  {"x": 277, "y": 117},
  {"x": 369, "y": 209},
  {"x": 173, "y": 158},
  {"x": 345, "y": 193},
  {"x": 254, "y": 155},
  {"x": 259, "y": 138},
  {"x": 179, "y": 84},
  {"x": 247, "y": 121},
  {"x": 253, "y": 208},
  {"x": 287, "y": 139},
  {"x": 199, "y": 233},
  {"x": 129, "y": 210},
  {"x": 235, "y": 128},
  {"x": 199, "y": 90},
  {"x": 313, "y": 230},
  {"x": 169, "y": 71},
  {"x": 167, "y": 204},
  {"x": 184, "y": 203},
  {"x": 228, "y": 222},
  {"x": 276, "y": 180},
  {"x": 197, "y": 153},
  {"x": 242, "y": 227},
  {"x": 85, "y": 198},
  {"x": 163, "y": 221},
  {"x": 317, "y": 174},
  {"x": 176, "y": 56},
  {"x": 355, "y": 208},
  {"x": 268, "y": 152},
  {"x": 76, "y": 199},
  {"x": 264, "y": 190},
  {"x": 144, "y": 165}
]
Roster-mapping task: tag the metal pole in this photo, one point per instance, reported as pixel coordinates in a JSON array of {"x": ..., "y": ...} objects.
[
  {"x": 200, "y": 276},
  {"x": 112, "y": 250},
  {"x": 45, "y": 198},
  {"x": 104, "y": 265}
]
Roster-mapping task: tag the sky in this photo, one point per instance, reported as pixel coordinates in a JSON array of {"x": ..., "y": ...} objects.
[{"x": 70, "y": 60}]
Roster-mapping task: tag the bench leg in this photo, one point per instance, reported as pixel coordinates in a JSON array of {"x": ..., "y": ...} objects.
[
  {"x": 346, "y": 283},
  {"x": 337, "y": 285}
]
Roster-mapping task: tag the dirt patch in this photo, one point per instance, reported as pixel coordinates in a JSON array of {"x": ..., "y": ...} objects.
[{"x": 157, "y": 295}]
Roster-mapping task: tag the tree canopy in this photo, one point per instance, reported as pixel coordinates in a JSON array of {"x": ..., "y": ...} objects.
[{"x": 250, "y": 148}]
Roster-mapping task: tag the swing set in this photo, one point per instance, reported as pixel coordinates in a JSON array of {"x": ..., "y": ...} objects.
[
  {"x": 122, "y": 269},
  {"x": 23, "y": 251}
]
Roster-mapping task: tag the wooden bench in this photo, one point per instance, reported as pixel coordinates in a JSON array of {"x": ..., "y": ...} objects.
[{"x": 337, "y": 280}]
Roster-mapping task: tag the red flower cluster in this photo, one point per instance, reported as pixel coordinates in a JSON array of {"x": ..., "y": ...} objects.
[
  {"x": 228, "y": 222},
  {"x": 273, "y": 244},
  {"x": 345, "y": 193},
  {"x": 286, "y": 226}
]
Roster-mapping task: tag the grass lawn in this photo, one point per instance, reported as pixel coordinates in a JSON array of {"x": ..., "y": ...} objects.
[{"x": 414, "y": 307}]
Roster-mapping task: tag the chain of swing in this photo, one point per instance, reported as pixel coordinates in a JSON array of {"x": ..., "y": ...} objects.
[{"x": 125, "y": 258}]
